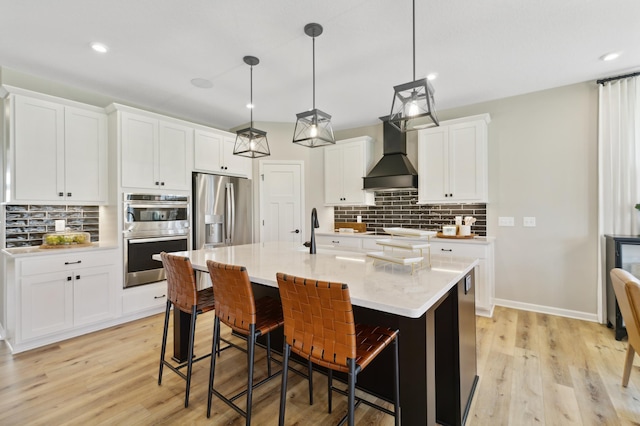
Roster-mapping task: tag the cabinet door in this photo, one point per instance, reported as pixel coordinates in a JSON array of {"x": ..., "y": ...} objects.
[
  {"x": 94, "y": 295},
  {"x": 38, "y": 145},
  {"x": 85, "y": 155},
  {"x": 352, "y": 173},
  {"x": 433, "y": 158},
  {"x": 206, "y": 152},
  {"x": 46, "y": 302},
  {"x": 234, "y": 164},
  {"x": 139, "y": 151},
  {"x": 466, "y": 165},
  {"x": 174, "y": 156},
  {"x": 333, "y": 175}
]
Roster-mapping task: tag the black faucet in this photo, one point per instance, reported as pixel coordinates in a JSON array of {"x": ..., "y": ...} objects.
[{"x": 314, "y": 225}]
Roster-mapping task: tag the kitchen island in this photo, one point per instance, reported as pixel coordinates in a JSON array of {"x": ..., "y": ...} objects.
[{"x": 432, "y": 307}]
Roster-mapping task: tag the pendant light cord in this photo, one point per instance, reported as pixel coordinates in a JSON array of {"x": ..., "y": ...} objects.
[
  {"x": 313, "y": 39},
  {"x": 414, "y": 40},
  {"x": 251, "y": 93}
]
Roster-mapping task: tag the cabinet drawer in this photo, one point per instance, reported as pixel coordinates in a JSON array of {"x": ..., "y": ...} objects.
[
  {"x": 459, "y": 249},
  {"x": 339, "y": 241},
  {"x": 144, "y": 297},
  {"x": 65, "y": 262}
]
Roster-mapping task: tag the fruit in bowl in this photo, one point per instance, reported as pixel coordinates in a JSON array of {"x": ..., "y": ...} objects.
[{"x": 67, "y": 238}]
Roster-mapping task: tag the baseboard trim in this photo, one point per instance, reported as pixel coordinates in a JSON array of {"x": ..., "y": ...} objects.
[{"x": 586, "y": 316}]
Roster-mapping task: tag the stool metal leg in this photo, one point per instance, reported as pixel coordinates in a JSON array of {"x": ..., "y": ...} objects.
[
  {"x": 310, "y": 368},
  {"x": 192, "y": 333},
  {"x": 164, "y": 341},
  {"x": 268, "y": 354},
  {"x": 283, "y": 388},
  {"x": 215, "y": 347},
  {"x": 352, "y": 390},
  {"x": 329, "y": 387},
  {"x": 251, "y": 342}
]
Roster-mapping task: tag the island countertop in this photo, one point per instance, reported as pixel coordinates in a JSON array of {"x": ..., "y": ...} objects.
[{"x": 382, "y": 286}]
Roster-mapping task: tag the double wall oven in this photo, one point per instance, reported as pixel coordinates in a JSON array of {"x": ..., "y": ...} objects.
[{"x": 152, "y": 224}]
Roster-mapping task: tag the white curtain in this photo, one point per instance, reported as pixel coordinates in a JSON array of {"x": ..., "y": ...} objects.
[{"x": 619, "y": 166}]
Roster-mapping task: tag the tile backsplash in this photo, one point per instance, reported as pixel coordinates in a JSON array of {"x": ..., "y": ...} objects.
[
  {"x": 399, "y": 209},
  {"x": 25, "y": 225}
]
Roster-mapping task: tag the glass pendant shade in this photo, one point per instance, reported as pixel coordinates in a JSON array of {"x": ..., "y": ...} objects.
[
  {"x": 313, "y": 129},
  {"x": 251, "y": 142},
  {"x": 413, "y": 106}
]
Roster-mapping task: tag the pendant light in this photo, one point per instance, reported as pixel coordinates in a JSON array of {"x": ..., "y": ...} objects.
[
  {"x": 413, "y": 106},
  {"x": 251, "y": 142},
  {"x": 313, "y": 127}
]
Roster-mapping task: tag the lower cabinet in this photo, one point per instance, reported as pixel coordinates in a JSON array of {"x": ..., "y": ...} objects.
[
  {"x": 63, "y": 292},
  {"x": 144, "y": 297}
]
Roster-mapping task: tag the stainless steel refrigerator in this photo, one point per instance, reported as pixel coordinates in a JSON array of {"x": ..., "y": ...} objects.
[{"x": 222, "y": 212}]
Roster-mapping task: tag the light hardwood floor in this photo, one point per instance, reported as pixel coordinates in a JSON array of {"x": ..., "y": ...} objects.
[{"x": 534, "y": 369}]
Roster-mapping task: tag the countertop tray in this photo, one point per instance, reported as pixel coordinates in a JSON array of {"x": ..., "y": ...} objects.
[
  {"x": 390, "y": 242},
  {"x": 408, "y": 232},
  {"x": 459, "y": 237},
  {"x": 64, "y": 246},
  {"x": 401, "y": 260}
]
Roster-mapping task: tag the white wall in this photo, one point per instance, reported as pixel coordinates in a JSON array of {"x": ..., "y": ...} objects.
[{"x": 542, "y": 163}]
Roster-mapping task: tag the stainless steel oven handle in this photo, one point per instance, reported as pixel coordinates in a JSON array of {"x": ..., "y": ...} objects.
[
  {"x": 153, "y": 240},
  {"x": 158, "y": 205}
]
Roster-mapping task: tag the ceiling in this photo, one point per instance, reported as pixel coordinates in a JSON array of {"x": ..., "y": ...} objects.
[{"x": 481, "y": 50}]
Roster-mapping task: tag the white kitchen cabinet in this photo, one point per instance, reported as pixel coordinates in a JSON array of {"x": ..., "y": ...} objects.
[
  {"x": 484, "y": 277},
  {"x": 148, "y": 297},
  {"x": 57, "y": 152},
  {"x": 345, "y": 165},
  {"x": 453, "y": 162},
  {"x": 62, "y": 292},
  {"x": 339, "y": 242},
  {"x": 155, "y": 154},
  {"x": 213, "y": 153}
]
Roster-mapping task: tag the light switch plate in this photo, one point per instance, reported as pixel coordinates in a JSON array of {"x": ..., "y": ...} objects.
[
  {"x": 506, "y": 221},
  {"x": 529, "y": 221}
]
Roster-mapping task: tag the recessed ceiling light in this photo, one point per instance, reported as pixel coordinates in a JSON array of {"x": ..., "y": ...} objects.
[
  {"x": 432, "y": 76},
  {"x": 610, "y": 56},
  {"x": 202, "y": 83},
  {"x": 99, "y": 47}
]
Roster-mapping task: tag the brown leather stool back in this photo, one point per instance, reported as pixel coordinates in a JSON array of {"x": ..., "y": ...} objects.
[
  {"x": 181, "y": 281},
  {"x": 627, "y": 290},
  {"x": 235, "y": 304},
  {"x": 318, "y": 320}
]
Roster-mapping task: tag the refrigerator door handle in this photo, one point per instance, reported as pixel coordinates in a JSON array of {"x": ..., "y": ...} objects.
[
  {"x": 233, "y": 213},
  {"x": 228, "y": 219}
]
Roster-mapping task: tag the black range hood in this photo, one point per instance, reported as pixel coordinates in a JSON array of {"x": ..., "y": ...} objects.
[{"x": 394, "y": 170}]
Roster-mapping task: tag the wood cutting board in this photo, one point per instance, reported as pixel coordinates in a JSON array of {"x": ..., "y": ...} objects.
[{"x": 357, "y": 227}]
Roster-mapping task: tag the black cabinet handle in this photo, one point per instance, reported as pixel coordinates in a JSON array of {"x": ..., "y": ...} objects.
[
  {"x": 446, "y": 250},
  {"x": 68, "y": 194},
  {"x": 161, "y": 183},
  {"x": 69, "y": 278},
  {"x": 60, "y": 194},
  {"x": 77, "y": 277},
  {"x": 159, "y": 297},
  {"x": 73, "y": 263}
]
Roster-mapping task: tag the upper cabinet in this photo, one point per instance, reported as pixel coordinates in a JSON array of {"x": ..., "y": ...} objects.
[
  {"x": 155, "y": 153},
  {"x": 213, "y": 153},
  {"x": 345, "y": 164},
  {"x": 56, "y": 151},
  {"x": 453, "y": 161}
]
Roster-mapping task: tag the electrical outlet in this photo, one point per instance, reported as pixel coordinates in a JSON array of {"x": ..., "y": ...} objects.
[
  {"x": 529, "y": 222},
  {"x": 506, "y": 221}
]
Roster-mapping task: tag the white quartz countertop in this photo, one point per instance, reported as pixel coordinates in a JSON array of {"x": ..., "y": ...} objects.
[
  {"x": 475, "y": 240},
  {"x": 37, "y": 251},
  {"x": 382, "y": 286}
]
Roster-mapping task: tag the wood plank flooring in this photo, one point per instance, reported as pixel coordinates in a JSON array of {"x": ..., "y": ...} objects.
[{"x": 534, "y": 369}]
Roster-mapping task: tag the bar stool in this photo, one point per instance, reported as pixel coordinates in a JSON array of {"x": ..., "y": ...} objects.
[
  {"x": 183, "y": 294},
  {"x": 319, "y": 326},
  {"x": 236, "y": 307}
]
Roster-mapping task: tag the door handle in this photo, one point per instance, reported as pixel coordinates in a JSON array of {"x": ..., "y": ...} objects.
[{"x": 297, "y": 231}]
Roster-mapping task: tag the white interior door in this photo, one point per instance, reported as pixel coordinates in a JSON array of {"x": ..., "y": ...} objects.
[{"x": 281, "y": 201}]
